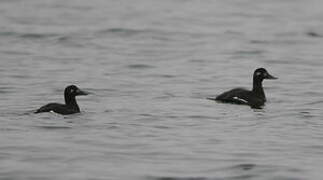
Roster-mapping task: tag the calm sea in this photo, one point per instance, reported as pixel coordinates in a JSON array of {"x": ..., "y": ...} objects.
[{"x": 150, "y": 65}]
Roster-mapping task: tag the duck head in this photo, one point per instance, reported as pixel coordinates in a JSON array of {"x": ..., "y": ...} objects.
[
  {"x": 72, "y": 91},
  {"x": 261, "y": 74}
]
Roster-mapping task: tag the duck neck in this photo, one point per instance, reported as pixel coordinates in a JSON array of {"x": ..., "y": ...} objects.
[
  {"x": 70, "y": 101},
  {"x": 257, "y": 87}
]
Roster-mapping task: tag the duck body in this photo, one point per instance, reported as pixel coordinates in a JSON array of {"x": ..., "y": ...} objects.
[
  {"x": 242, "y": 96},
  {"x": 70, "y": 106},
  {"x": 58, "y": 108},
  {"x": 254, "y": 98}
]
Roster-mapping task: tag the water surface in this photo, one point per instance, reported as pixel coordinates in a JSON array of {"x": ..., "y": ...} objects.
[{"x": 150, "y": 65}]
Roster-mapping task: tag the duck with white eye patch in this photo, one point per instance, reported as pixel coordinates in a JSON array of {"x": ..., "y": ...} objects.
[
  {"x": 254, "y": 98},
  {"x": 70, "y": 106}
]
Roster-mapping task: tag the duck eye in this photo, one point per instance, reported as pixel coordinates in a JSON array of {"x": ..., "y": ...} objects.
[
  {"x": 258, "y": 73},
  {"x": 72, "y": 90}
]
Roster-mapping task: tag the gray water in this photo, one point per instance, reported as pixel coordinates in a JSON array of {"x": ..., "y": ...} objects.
[{"x": 150, "y": 65}]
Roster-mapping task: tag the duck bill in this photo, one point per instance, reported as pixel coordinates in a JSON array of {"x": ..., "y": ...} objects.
[
  {"x": 270, "y": 77},
  {"x": 82, "y": 93}
]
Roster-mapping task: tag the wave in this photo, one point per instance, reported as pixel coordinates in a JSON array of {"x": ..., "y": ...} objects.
[
  {"x": 139, "y": 66},
  {"x": 178, "y": 178},
  {"x": 313, "y": 34},
  {"x": 123, "y": 31},
  {"x": 28, "y": 35}
]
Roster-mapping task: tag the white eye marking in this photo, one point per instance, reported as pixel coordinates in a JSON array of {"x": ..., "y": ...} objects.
[
  {"x": 72, "y": 90},
  {"x": 239, "y": 99},
  {"x": 258, "y": 73}
]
